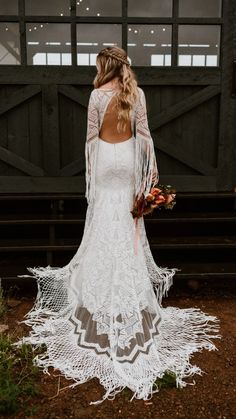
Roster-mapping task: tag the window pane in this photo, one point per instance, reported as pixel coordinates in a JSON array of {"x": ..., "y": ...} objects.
[
  {"x": 149, "y": 45},
  {"x": 211, "y": 60},
  {"x": 200, "y": 8},
  {"x": 66, "y": 58},
  {"x": 40, "y": 58},
  {"x": 47, "y": 7},
  {"x": 9, "y": 43},
  {"x": 185, "y": 59},
  {"x": 199, "y": 60},
  {"x": 196, "y": 43},
  {"x": 91, "y": 38},
  {"x": 150, "y": 8},
  {"x": 8, "y": 7},
  {"x": 48, "y": 43},
  {"x": 98, "y": 8}
]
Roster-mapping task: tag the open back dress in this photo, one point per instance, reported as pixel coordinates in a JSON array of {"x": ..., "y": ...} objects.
[{"x": 101, "y": 315}]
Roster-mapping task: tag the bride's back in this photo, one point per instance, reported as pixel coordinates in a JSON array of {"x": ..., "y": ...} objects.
[{"x": 108, "y": 131}]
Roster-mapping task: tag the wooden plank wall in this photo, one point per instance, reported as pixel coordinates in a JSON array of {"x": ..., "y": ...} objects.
[
  {"x": 226, "y": 164},
  {"x": 233, "y": 101},
  {"x": 192, "y": 115},
  {"x": 46, "y": 128}
]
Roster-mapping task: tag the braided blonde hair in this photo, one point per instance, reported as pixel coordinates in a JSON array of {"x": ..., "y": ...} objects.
[{"x": 113, "y": 62}]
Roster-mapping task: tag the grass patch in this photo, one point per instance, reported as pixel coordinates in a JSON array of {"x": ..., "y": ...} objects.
[
  {"x": 167, "y": 381},
  {"x": 18, "y": 375}
]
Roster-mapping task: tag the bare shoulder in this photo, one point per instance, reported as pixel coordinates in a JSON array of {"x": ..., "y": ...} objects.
[
  {"x": 105, "y": 86},
  {"x": 112, "y": 84}
]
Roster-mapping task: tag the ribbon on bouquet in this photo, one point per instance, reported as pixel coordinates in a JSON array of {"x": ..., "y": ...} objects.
[{"x": 136, "y": 235}]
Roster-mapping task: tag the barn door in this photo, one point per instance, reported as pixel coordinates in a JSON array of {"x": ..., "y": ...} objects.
[
  {"x": 42, "y": 138},
  {"x": 192, "y": 110},
  {"x": 182, "y": 52},
  {"x": 186, "y": 128}
]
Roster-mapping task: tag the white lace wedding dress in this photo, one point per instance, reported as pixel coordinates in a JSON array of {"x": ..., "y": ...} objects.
[{"x": 101, "y": 315}]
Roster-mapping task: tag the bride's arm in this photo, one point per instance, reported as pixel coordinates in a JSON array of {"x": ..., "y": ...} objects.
[
  {"x": 90, "y": 143},
  {"x": 143, "y": 132},
  {"x": 92, "y": 118}
]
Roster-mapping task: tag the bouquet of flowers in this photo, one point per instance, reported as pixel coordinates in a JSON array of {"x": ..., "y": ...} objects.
[{"x": 159, "y": 196}]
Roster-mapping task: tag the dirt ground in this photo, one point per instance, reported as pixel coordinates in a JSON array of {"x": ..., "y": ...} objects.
[{"x": 212, "y": 397}]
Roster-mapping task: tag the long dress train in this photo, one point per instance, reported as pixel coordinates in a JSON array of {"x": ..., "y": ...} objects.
[{"x": 101, "y": 315}]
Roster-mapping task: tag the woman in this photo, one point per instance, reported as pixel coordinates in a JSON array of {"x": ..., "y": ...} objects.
[{"x": 101, "y": 315}]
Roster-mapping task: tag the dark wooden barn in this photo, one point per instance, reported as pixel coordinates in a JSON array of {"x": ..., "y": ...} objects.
[{"x": 184, "y": 55}]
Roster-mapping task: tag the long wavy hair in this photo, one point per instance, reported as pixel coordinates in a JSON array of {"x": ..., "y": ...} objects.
[{"x": 113, "y": 62}]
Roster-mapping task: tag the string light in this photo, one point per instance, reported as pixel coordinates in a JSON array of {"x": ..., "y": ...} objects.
[
  {"x": 41, "y": 26},
  {"x": 87, "y": 8},
  {"x": 6, "y": 28}
]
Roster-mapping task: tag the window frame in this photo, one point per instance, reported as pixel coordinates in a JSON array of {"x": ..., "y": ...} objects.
[{"x": 124, "y": 20}]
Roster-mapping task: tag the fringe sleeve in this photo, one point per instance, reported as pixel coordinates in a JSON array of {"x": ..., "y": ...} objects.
[
  {"x": 147, "y": 174},
  {"x": 90, "y": 144}
]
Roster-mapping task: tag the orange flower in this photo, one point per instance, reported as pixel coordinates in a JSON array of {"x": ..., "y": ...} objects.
[
  {"x": 155, "y": 191},
  {"x": 150, "y": 197},
  {"x": 157, "y": 197},
  {"x": 160, "y": 199}
]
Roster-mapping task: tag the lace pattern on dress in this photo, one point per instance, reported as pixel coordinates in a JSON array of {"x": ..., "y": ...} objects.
[{"x": 101, "y": 315}]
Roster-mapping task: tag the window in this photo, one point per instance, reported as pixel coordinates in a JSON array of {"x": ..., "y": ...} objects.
[
  {"x": 8, "y": 7},
  {"x": 9, "y": 43},
  {"x": 159, "y": 33},
  {"x": 91, "y": 38},
  {"x": 200, "y": 8},
  {"x": 98, "y": 8},
  {"x": 198, "y": 45},
  {"x": 47, "y": 7},
  {"x": 149, "y": 45},
  {"x": 48, "y": 44},
  {"x": 150, "y": 8}
]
